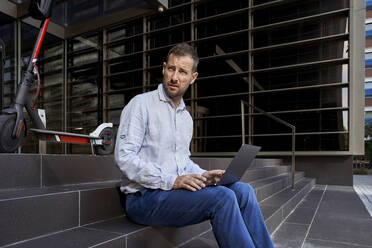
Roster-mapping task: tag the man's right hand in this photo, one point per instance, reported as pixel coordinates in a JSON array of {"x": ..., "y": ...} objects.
[{"x": 192, "y": 182}]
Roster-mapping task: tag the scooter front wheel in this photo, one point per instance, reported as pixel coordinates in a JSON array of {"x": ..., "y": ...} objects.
[{"x": 9, "y": 144}]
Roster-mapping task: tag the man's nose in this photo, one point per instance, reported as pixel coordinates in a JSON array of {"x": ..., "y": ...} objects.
[{"x": 174, "y": 76}]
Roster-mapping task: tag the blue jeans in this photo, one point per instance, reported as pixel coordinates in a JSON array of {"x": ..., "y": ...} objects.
[{"x": 233, "y": 210}]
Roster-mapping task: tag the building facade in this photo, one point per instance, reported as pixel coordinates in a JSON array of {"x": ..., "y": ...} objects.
[
  {"x": 368, "y": 65},
  {"x": 301, "y": 61}
]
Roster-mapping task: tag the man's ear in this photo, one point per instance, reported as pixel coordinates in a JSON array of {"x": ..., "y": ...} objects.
[
  {"x": 164, "y": 65},
  {"x": 194, "y": 76}
]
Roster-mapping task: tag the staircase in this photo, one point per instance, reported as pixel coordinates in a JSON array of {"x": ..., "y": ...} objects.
[{"x": 74, "y": 201}]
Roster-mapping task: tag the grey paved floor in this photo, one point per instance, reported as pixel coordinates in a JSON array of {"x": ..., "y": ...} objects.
[
  {"x": 363, "y": 186},
  {"x": 362, "y": 180},
  {"x": 328, "y": 217}
]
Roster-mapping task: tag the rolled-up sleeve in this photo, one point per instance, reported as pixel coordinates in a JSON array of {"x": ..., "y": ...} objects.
[
  {"x": 193, "y": 168},
  {"x": 130, "y": 137}
]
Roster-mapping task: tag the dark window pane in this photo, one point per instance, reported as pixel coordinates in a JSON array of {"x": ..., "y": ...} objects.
[{"x": 311, "y": 142}]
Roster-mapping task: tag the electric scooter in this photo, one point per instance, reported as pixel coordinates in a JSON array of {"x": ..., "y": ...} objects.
[{"x": 12, "y": 123}]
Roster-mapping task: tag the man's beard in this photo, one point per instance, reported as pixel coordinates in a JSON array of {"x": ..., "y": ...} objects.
[{"x": 173, "y": 94}]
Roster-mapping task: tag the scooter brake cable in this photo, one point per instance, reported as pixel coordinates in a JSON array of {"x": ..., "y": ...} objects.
[{"x": 38, "y": 86}]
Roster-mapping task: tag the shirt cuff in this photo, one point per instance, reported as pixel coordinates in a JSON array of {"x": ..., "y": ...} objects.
[
  {"x": 168, "y": 182},
  {"x": 201, "y": 171}
]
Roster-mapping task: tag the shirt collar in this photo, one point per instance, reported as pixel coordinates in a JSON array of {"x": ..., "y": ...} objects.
[{"x": 163, "y": 97}]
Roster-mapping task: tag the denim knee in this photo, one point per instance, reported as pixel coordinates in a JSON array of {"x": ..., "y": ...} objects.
[
  {"x": 225, "y": 195},
  {"x": 240, "y": 187}
]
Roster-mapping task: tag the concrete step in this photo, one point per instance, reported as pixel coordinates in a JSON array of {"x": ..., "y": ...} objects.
[
  {"x": 120, "y": 232},
  {"x": 205, "y": 240},
  {"x": 34, "y": 170},
  {"x": 117, "y": 232},
  {"x": 79, "y": 204},
  {"x": 278, "y": 206},
  {"x": 20, "y": 171},
  {"x": 264, "y": 188},
  {"x": 264, "y": 172},
  {"x": 223, "y": 163},
  {"x": 274, "y": 209},
  {"x": 74, "y": 201},
  {"x": 32, "y": 212}
]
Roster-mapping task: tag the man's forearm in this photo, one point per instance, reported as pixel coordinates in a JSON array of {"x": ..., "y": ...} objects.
[{"x": 147, "y": 174}]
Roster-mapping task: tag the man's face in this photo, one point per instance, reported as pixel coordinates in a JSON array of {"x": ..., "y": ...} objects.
[{"x": 178, "y": 75}]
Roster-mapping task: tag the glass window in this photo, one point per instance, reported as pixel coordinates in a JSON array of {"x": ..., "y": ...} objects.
[
  {"x": 369, "y": 34},
  {"x": 368, "y": 26},
  {"x": 308, "y": 142},
  {"x": 213, "y": 144},
  {"x": 84, "y": 84},
  {"x": 368, "y": 93},
  {"x": 7, "y": 61},
  {"x": 368, "y": 63},
  {"x": 369, "y": 4},
  {"x": 221, "y": 36}
]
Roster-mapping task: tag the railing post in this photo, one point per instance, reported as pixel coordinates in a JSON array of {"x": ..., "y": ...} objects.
[
  {"x": 243, "y": 120},
  {"x": 293, "y": 167},
  {"x": 293, "y": 154}
]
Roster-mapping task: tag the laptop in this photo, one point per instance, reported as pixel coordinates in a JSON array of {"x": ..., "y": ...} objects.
[{"x": 240, "y": 163}]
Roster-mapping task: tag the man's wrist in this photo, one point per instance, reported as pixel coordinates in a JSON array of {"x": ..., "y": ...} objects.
[{"x": 168, "y": 182}]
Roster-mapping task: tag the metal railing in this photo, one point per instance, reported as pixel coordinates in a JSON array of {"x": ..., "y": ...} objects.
[{"x": 293, "y": 158}]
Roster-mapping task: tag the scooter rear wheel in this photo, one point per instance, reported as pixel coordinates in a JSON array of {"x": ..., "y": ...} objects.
[
  {"x": 9, "y": 144},
  {"x": 108, "y": 142}
]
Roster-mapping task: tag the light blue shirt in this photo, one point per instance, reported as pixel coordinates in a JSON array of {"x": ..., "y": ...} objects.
[{"x": 152, "y": 144}]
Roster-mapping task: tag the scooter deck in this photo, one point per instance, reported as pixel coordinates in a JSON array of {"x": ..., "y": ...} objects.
[
  {"x": 64, "y": 137},
  {"x": 50, "y": 132}
]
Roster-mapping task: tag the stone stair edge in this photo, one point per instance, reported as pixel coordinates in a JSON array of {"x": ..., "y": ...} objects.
[
  {"x": 116, "y": 183},
  {"x": 278, "y": 210},
  {"x": 304, "y": 179},
  {"x": 279, "y": 176},
  {"x": 6, "y": 194},
  {"x": 143, "y": 228},
  {"x": 118, "y": 235}
]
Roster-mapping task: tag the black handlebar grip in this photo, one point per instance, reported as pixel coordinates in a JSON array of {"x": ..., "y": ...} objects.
[{"x": 40, "y": 9}]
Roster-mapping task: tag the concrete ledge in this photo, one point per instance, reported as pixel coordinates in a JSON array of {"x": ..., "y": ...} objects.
[{"x": 328, "y": 170}]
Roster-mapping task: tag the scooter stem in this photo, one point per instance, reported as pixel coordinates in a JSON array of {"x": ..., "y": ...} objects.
[{"x": 22, "y": 97}]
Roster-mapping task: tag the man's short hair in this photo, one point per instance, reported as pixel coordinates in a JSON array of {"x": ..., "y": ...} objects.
[{"x": 184, "y": 49}]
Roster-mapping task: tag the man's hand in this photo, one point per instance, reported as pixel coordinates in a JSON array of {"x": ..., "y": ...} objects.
[
  {"x": 192, "y": 182},
  {"x": 213, "y": 176}
]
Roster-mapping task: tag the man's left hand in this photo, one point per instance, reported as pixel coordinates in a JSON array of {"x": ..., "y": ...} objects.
[{"x": 213, "y": 176}]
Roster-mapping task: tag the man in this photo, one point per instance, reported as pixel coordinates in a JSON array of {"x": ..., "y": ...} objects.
[{"x": 166, "y": 188}]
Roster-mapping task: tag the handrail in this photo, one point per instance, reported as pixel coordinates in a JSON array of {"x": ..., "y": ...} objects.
[{"x": 293, "y": 164}]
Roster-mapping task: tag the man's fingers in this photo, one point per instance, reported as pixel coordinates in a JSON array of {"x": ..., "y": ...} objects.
[
  {"x": 195, "y": 182},
  {"x": 217, "y": 172},
  {"x": 199, "y": 177},
  {"x": 194, "y": 185},
  {"x": 188, "y": 187},
  {"x": 191, "y": 182}
]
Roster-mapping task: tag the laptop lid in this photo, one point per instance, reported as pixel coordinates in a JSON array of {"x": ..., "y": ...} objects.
[{"x": 241, "y": 162}]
